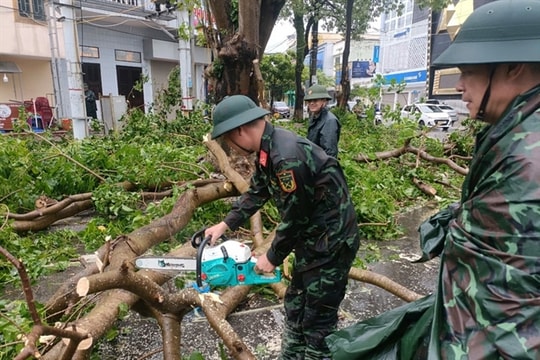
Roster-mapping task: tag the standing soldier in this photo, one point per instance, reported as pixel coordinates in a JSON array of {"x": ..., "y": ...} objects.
[
  {"x": 324, "y": 128},
  {"x": 487, "y": 304},
  {"x": 318, "y": 220},
  {"x": 358, "y": 110}
]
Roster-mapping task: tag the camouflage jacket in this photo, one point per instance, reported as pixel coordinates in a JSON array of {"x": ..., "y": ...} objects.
[
  {"x": 488, "y": 300},
  {"x": 487, "y": 303},
  {"x": 324, "y": 130},
  {"x": 311, "y": 195}
]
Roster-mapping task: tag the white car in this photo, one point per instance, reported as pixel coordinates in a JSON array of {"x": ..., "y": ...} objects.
[
  {"x": 379, "y": 120},
  {"x": 427, "y": 115},
  {"x": 451, "y": 111}
]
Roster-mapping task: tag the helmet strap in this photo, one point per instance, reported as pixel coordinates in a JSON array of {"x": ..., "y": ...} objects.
[
  {"x": 240, "y": 147},
  {"x": 482, "y": 110}
]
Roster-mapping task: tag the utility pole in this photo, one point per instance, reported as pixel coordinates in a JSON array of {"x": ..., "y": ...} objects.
[
  {"x": 184, "y": 47},
  {"x": 73, "y": 97},
  {"x": 55, "y": 56},
  {"x": 429, "y": 71}
]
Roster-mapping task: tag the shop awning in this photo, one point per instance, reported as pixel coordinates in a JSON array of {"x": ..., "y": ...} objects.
[{"x": 9, "y": 67}]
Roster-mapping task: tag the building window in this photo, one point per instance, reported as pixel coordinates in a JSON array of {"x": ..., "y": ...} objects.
[
  {"x": 33, "y": 9},
  {"x": 90, "y": 52},
  {"x": 128, "y": 56},
  {"x": 409, "y": 6}
]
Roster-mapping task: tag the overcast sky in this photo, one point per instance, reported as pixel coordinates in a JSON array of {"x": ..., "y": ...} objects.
[{"x": 278, "y": 38}]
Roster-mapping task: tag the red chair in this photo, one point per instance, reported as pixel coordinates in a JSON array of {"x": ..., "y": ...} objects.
[
  {"x": 44, "y": 109},
  {"x": 41, "y": 115}
]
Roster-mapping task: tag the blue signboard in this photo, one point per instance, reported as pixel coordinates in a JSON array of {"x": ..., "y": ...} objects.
[
  {"x": 376, "y": 51},
  {"x": 363, "y": 69},
  {"x": 320, "y": 59},
  {"x": 408, "y": 77}
]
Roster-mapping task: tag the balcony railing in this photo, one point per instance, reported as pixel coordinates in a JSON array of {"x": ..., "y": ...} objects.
[{"x": 138, "y": 7}]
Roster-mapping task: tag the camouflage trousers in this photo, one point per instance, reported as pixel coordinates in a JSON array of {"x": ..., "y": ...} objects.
[{"x": 311, "y": 308}]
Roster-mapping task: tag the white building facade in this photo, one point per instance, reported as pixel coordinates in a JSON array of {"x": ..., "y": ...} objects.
[
  {"x": 404, "y": 53},
  {"x": 363, "y": 60},
  {"x": 51, "y": 49}
]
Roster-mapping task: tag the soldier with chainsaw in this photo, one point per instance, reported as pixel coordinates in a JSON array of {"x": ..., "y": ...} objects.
[
  {"x": 318, "y": 220},
  {"x": 487, "y": 304},
  {"x": 324, "y": 127}
]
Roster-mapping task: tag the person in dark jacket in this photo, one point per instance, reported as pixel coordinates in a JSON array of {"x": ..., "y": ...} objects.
[
  {"x": 318, "y": 220},
  {"x": 90, "y": 102},
  {"x": 324, "y": 127}
]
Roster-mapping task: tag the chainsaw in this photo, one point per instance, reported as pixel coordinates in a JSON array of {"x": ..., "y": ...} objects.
[{"x": 226, "y": 264}]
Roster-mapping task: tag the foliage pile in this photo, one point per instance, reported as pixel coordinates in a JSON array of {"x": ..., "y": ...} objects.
[{"x": 155, "y": 155}]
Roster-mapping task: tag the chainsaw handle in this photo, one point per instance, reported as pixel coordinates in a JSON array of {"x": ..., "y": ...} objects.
[
  {"x": 199, "y": 242},
  {"x": 198, "y": 238},
  {"x": 200, "y": 249}
]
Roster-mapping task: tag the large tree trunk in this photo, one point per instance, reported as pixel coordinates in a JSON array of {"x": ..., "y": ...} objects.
[
  {"x": 238, "y": 43},
  {"x": 301, "y": 51}
]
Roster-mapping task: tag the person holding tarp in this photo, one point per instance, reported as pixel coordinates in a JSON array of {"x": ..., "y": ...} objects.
[{"x": 487, "y": 302}]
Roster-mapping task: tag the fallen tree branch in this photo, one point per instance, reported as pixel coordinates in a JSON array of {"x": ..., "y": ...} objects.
[
  {"x": 42, "y": 218},
  {"x": 106, "y": 309},
  {"x": 27, "y": 288},
  {"x": 239, "y": 182},
  {"x": 75, "y": 339},
  {"x": 118, "y": 284},
  {"x": 61, "y": 153},
  {"x": 407, "y": 148},
  {"x": 50, "y": 210},
  {"x": 384, "y": 283},
  {"x": 425, "y": 188}
]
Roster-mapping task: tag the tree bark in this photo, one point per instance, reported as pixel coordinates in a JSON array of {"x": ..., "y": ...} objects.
[
  {"x": 301, "y": 52},
  {"x": 239, "y": 43}
]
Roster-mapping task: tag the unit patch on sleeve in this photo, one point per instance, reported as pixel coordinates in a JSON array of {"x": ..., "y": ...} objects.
[{"x": 286, "y": 181}]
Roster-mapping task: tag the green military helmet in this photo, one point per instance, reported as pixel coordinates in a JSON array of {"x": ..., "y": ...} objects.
[
  {"x": 235, "y": 111},
  {"x": 502, "y": 31},
  {"x": 315, "y": 92}
]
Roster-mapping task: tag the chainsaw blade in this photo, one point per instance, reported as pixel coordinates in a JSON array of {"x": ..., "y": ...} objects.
[{"x": 166, "y": 263}]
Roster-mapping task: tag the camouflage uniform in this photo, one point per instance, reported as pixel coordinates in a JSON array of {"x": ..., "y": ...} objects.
[
  {"x": 490, "y": 265},
  {"x": 324, "y": 130},
  {"x": 487, "y": 305},
  {"x": 318, "y": 223}
]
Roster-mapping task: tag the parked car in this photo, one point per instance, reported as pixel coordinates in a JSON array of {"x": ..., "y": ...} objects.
[
  {"x": 427, "y": 115},
  {"x": 331, "y": 105},
  {"x": 281, "y": 108},
  {"x": 451, "y": 111},
  {"x": 379, "y": 120}
]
